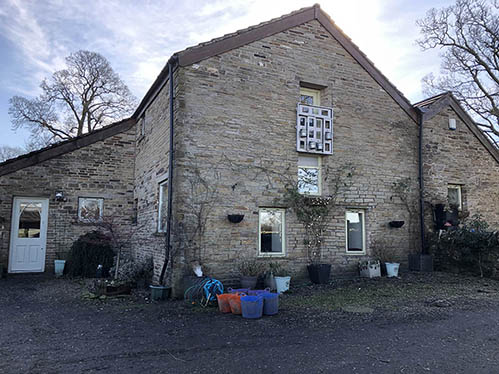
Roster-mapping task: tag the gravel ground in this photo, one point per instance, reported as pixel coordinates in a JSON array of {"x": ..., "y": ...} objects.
[{"x": 417, "y": 324}]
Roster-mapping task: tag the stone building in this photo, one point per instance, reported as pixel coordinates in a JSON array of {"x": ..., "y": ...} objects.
[{"x": 289, "y": 102}]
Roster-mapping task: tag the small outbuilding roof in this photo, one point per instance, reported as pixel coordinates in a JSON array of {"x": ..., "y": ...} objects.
[{"x": 57, "y": 149}]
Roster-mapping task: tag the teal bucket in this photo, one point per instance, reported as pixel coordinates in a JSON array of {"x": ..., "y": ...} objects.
[{"x": 59, "y": 267}]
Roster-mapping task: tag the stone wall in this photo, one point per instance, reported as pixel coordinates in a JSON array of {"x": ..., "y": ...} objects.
[
  {"x": 238, "y": 132},
  {"x": 102, "y": 169},
  {"x": 151, "y": 168},
  {"x": 458, "y": 157}
]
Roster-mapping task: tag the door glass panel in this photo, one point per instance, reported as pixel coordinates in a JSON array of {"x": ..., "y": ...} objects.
[{"x": 29, "y": 220}]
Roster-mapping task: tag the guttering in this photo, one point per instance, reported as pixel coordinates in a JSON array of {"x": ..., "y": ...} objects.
[
  {"x": 172, "y": 63},
  {"x": 421, "y": 181}
]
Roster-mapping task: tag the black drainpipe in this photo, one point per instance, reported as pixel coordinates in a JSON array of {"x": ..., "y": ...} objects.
[
  {"x": 421, "y": 182},
  {"x": 171, "y": 63}
]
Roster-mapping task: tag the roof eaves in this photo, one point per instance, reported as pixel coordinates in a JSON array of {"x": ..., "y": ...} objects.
[
  {"x": 66, "y": 146},
  {"x": 242, "y": 37}
]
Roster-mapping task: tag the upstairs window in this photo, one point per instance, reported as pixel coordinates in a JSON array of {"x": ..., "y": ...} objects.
[
  {"x": 163, "y": 206},
  {"x": 309, "y": 96},
  {"x": 309, "y": 175},
  {"x": 454, "y": 196}
]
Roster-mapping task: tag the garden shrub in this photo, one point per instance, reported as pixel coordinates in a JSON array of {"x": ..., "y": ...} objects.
[
  {"x": 470, "y": 247},
  {"x": 87, "y": 252},
  {"x": 131, "y": 271}
]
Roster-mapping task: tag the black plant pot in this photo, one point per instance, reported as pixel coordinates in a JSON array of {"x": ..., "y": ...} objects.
[
  {"x": 421, "y": 262},
  {"x": 319, "y": 273}
]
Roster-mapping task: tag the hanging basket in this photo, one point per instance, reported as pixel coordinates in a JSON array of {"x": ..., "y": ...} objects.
[
  {"x": 235, "y": 218},
  {"x": 396, "y": 224}
]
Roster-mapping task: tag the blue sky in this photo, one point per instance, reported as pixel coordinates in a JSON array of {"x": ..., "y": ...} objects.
[{"x": 137, "y": 37}]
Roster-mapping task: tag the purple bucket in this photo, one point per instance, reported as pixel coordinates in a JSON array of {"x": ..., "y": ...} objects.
[
  {"x": 238, "y": 290},
  {"x": 258, "y": 292}
]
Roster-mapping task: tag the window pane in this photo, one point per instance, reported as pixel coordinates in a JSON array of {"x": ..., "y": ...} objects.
[
  {"x": 306, "y": 99},
  {"x": 355, "y": 238},
  {"x": 453, "y": 196},
  {"x": 308, "y": 180},
  {"x": 271, "y": 226},
  {"x": 163, "y": 206},
  {"x": 90, "y": 209},
  {"x": 29, "y": 220}
]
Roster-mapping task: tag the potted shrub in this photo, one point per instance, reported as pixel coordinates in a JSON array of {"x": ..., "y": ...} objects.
[
  {"x": 274, "y": 269},
  {"x": 282, "y": 279},
  {"x": 370, "y": 268},
  {"x": 249, "y": 271},
  {"x": 387, "y": 256},
  {"x": 313, "y": 213}
]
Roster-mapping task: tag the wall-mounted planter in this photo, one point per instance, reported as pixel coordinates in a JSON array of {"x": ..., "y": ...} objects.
[
  {"x": 235, "y": 218},
  {"x": 396, "y": 224}
]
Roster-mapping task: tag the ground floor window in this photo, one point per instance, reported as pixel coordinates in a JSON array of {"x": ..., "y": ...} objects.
[
  {"x": 90, "y": 209},
  {"x": 454, "y": 196},
  {"x": 163, "y": 206},
  {"x": 355, "y": 232},
  {"x": 271, "y": 226}
]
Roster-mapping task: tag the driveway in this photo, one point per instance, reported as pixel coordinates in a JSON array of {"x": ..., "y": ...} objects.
[{"x": 47, "y": 327}]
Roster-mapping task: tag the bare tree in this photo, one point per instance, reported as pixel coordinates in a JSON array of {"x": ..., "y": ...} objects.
[
  {"x": 468, "y": 35},
  {"x": 85, "y": 96},
  {"x": 7, "y": 152}
]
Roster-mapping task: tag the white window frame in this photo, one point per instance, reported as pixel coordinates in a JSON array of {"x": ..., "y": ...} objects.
[
  {"x": 319, "y": 176},
  {"x": 316, "y": 95},
  {"x": 457, "y": 187},
  {"x": 100, "y": 201},
  {"x": 363, "y": 215},
  {"x": 283, "y": 229},
  {"x": 161, "y": 185}
]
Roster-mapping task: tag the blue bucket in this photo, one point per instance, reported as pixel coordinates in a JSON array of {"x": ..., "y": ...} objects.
[
  {"x": 252, "y": 306},
  {"x": 270, "y": 303}
]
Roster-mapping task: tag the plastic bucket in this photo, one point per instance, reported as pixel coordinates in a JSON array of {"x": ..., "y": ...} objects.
[
  {"x": 59, "y": 267},
  {"x": 252, "y": 306},
  {"x": 270, "y": 303},
  {"x": 282, "y": 284},
  {"x": 224, "y": 302},
  {"x": 235, "y": 303},
  {"x": 392, "y": 269},
  {"x": 258, "y": 292}
]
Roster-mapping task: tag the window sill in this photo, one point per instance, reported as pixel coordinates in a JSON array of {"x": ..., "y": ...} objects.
[
  {"x": 355, "y": 253},
  {"x": 264, "y": 255}
]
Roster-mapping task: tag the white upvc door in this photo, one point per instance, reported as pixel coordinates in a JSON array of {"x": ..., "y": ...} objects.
[{"x": 28, "y": 236}]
